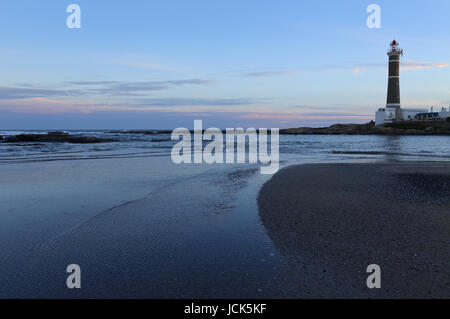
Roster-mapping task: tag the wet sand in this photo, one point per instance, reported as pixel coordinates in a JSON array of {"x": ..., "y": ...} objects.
[
  {"x": 330, "y": 221},
  {"x": 138, "y": 228}
]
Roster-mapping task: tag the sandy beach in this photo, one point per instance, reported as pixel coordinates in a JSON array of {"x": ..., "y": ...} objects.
[{"x": 330, "y": 221}]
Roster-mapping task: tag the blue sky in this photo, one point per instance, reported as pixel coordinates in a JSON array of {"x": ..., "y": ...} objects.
[{"x": 162, "y": 64}]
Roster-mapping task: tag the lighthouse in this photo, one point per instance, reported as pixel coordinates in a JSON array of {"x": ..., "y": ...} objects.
[
  {"x": 393, "y": 93},
  {"x": 393, "y": 112}
]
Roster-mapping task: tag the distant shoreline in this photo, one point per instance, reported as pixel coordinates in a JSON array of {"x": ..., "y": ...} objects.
[
  {"x": 401, "y": 128},
  {"x": 408, "y": 128}
]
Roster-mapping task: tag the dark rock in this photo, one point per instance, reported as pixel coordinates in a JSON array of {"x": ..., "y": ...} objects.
[
  {"x": 1, "y": 138},
  {"x": 87, "y": 140},
  {"x": 144, "y": 132},
  {"x": 55, "y": 137}
]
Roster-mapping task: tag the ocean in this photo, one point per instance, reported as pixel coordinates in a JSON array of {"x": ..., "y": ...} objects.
[{"x": 311, "y": 148}]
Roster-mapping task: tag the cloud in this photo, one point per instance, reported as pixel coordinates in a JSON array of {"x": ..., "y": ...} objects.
[
  {"x": 143, "y": 65},
  {"x": 414, "y": 65},
  {"x": 337, "y": 114},
  {"x": 91, "y": 88},
  {"x": 404, "y": 65},
  {"x": 131, "y": 88},
  {"x": 8, "y": 93},
  {"x": 305, "y": 116},
  {"x": 332, "y": 108},
  {"x": 43, "y": 105},
  {"x": 263, "y": 72},
  {"x": 92, "y": 82},
  {"x": 267, "y": 74},
  {"x": 203, "y": 107},
  {"x": 196, "y": 102},
  {"x": 356, "y": 68},
  {"x": 140, "y": 61}
]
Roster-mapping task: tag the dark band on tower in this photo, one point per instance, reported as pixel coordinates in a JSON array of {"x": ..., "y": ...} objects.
[{"x": 393, "y": 94}]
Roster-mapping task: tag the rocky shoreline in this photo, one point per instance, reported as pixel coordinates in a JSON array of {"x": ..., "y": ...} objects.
[
  {"x": 403, "y": 128},
  {"x": 53, "y": 137}
]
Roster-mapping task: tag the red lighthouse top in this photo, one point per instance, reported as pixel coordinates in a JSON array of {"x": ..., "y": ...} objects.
[{"x": 395, "y": 50}]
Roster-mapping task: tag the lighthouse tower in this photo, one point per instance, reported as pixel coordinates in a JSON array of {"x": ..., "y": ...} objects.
[
  {"x": 393, "y": 112},
  {"x": 393, "y": 93}
]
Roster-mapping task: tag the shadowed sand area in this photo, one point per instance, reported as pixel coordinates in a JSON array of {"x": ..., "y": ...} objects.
[{"x": 330, "y": 221}]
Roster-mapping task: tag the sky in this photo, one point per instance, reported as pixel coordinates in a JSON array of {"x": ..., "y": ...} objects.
[{"x": 162, "y": 64}]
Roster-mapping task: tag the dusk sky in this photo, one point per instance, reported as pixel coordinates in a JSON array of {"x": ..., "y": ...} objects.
[{"x": 162, "y": 64}]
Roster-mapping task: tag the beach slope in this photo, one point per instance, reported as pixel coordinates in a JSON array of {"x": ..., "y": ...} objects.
[{"x": 330, "y": 221}]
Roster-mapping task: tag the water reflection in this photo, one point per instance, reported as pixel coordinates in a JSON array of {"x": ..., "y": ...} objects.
[{"x": 393, "y": 147}]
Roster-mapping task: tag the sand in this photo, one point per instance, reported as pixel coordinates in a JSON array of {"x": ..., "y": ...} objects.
[{"x": 330, "y": 221}]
